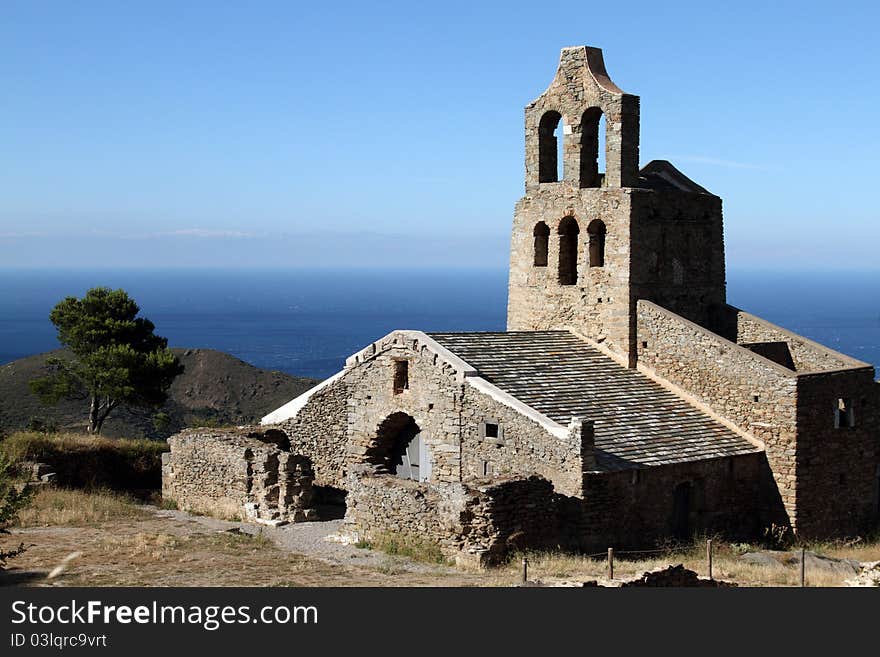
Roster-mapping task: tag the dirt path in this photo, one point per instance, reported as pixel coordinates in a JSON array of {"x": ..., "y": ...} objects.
[{"x": 172, "y": 548}]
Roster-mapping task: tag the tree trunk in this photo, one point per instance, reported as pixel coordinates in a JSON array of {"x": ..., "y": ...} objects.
[{"x": 94, "y": 422}]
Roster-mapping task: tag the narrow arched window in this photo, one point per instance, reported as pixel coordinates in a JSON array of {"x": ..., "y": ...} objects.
[
  {"x": 548, "y": 158},
  {"x": 568, "y": 251},
  {"x": 542, "y": 239},
  {"x": 592, "y": 137},
  {"x": 596, "y": 231}
]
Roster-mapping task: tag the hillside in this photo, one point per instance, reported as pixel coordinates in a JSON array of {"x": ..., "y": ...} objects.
[{"x": 214, "y": 389}]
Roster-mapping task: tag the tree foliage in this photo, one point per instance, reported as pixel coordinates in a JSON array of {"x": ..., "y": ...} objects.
[{"x": 115, "y": 359}]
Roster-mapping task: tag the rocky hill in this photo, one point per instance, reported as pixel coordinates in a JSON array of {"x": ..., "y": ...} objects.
[{"x": 215, "y": 389}]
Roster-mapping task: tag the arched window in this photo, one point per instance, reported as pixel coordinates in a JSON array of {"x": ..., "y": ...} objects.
[
  {"x": 596, "y": 231},
  {"x": 548, "y": 158},
  {"x": 568, "y": 251},
  {"x": 542, "y": 239},
  {"x": 592, "y": 136}
]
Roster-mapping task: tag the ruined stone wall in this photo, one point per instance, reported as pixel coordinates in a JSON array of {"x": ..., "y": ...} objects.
[
  {"x": 450, "y": 414},
  {"x": 234, "y": 474},
  {"x": 478, "y": 523},
  {"x": 733, "y": 496},
  {"x": 838, "y": 468},
  {"x": 597, "y": 306},
  {"x": 678, "y": 252},
  {"x": 510, "y": 515},
  {"x": 483, "y": 521},
  {"x": 750, "y": 391}
]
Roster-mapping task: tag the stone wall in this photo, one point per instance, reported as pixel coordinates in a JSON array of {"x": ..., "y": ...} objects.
[
  {"x": 477, "y": 523},
  {"x": 753, "y": 393},
  {"x": 791, "y": 413},
  {"x": 448, "y": 409},
  {"x": 808, "y": 356},
  {"x": 482, "y": 521},
  {"x": 678, "y": 252},
  {"x": 838, "y": 468},
  {"x": 237, "y": 474},
  {"x": 320, "y": 432},
  {"x": 732, "y": 496},
  {"x": 597, "y": 305}
]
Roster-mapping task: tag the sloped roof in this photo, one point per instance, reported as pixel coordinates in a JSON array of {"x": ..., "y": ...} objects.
[
  {"x": 661, "y": 175},
  {"x": 637, "y": 422}
]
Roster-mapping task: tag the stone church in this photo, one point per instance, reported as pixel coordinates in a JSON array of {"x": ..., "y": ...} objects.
[{"x": 626, "y": 403}]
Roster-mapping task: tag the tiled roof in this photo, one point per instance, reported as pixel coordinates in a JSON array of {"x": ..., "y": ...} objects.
[{"x": 637, "y": 421}]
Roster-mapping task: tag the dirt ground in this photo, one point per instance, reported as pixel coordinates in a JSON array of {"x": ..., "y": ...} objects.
[{"x": 170, "y": 548}]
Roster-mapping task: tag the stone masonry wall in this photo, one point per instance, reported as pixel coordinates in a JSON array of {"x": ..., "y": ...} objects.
[
  {"x": 477, "y": 523},
  {"x": 827, "y": 477},
  {"x": 733, "y": 496},
  {"x": 808, "y": 356},
  {"x": 678, "y": 252},
  {"x": 752, "y": 392},
  {"x": 319, "y": 431},
  {"x": 838, "y": 468},
  {"x": 522, "y": 449},
  {"x": 236, "y": 474},
  {"x": 482, "y": 521},
  {"x": 597, "y": 305}
]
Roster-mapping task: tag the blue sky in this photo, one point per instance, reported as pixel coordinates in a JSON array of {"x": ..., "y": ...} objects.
[{"x": 316, "y": 134}]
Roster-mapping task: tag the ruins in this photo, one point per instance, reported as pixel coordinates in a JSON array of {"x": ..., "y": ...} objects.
[{"x": 627, "y": 403}]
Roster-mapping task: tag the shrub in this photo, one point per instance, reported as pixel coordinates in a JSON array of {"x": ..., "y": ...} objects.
[
  {"x": 89, "y": 461},
  {"x": 13, "y": 499}
]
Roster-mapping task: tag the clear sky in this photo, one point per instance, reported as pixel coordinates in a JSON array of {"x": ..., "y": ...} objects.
[{"x": 369, "y": 133}]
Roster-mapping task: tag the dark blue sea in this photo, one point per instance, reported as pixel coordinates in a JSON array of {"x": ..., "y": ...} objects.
[{"x": 306, "y": 322}]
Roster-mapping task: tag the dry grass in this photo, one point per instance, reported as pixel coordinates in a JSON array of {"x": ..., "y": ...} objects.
[
  {"x": 727, "y": 564},
  {"x": 34, "y": 446},
  {"x": 91, "y": 462},
  {"x": 403, "y": 545},
  {"x": 58, "y": 507}
]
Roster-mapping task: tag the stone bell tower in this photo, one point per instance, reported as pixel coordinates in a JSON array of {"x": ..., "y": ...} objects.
[{"x": 587, "y": 244}]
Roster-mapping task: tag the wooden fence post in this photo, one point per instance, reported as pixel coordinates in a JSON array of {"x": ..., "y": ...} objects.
[
  {"x": 709, "y": 555},
  {"x": 525, "y": 565},
  {"x": 803, "y": 566},
  {"x": 610, "y": 563}
]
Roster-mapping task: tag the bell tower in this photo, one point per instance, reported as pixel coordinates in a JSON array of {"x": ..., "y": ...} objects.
[{"x": 587, "y": 244}]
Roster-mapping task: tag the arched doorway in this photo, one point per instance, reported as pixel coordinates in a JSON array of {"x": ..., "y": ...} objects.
[{"x": 400, "y": 448}]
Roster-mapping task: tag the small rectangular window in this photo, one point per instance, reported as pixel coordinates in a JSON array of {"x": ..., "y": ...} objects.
[
  {"x": 487, "y": 469},
  {"x": 844, "y": 416},
  {"x": 491, "y": 430},
  {"x": 401, "y": 376}
]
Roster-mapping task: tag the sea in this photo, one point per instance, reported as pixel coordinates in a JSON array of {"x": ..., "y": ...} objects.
[{"x": 306, "y": 322}]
